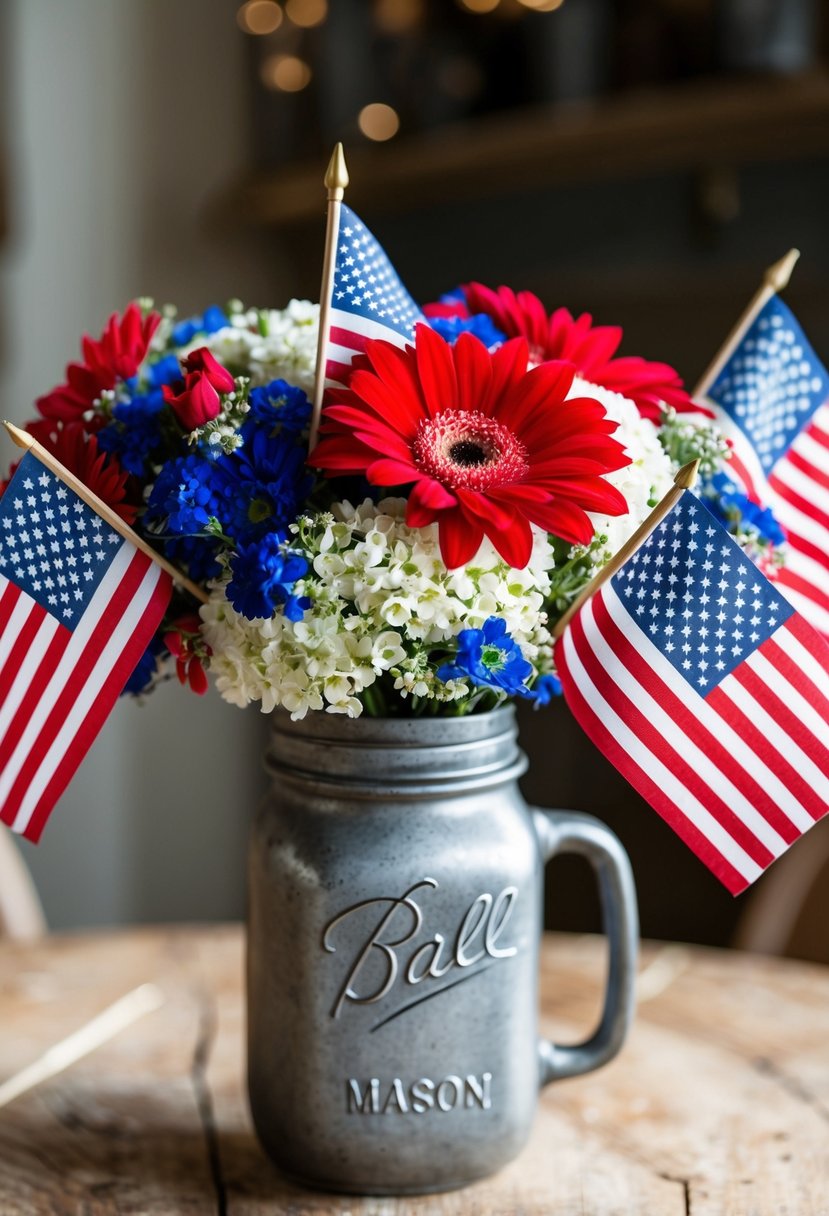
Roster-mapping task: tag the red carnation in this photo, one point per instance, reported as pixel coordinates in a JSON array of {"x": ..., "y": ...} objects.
[
  {"x": 202, "y": 361},
  {"x": 99, "y": 471},
  {"x": 197, "y": 404},
  {"x": 117, "y": 355},
  {"x": 489, "y": 447},
  {"x": 589, "y": 347}
]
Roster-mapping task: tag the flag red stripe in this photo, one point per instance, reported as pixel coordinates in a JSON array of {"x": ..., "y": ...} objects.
[
  {"x": 799, "y": 502},
  {"x": 797, "y": 677},
  {"x": 337, "y": 371},
  {"x": 783, "y": 716},
  {"x": 787, "y": 577},
  {"x": 806, "y": 467},
  {"x": 111, "y": 689},
  {"x": 689, "y": 724},
  {"x": 11, "y": 594},
  {"x": 653, "y": 794},
  {"x": 103, "y": 630},
  {"x": 347, "y": 337},
  {"x": 20, "y": 647},
  {"x": 819, "y": 435},
  {"x": 806, "y": 547},
  {"x": 33, "y": 694}
]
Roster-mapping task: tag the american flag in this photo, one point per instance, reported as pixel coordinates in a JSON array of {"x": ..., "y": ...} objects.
[
  {"x": 78, "y": 606},
  {"x": 709, "y": 693},
  {"x": 770, "y": 399},
  {"x": 368, "y": 299}
]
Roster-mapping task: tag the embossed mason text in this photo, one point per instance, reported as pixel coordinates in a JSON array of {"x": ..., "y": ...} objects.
[
  {"x": 382, "y": 960},
  {"x": 375, "y": 1097}
]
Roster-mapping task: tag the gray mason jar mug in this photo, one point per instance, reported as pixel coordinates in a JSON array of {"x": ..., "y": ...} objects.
[{"x": 395, "y": 912}]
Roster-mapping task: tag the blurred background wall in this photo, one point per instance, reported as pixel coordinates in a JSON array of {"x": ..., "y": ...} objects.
[{"x": 640, "y": 159}]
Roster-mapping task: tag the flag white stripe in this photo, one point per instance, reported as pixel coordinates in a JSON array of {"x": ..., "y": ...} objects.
[
  {"x": 26, "y": 672},
  {"x": 797, "y": 481},
  {"x": 780, "y": 741},
  {"x": 708, "y": 772},
  {"x": 806, "y": 662},
  {"x": 810, "y": 609},
  {"x": 684, "y": 802},
  {"x": 19, "y": 615},
  {"x": 86, "y": 627},
  {"x": 741, "y": 752},
  {"x": 812, "y": 452},
  {"x": 84, "y": 701},
  {"x": 807, "y": 568},
  {"x": 798, "y": 524}
]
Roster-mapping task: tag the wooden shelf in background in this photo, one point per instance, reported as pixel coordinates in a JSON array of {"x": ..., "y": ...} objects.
[{"x": 678, "y": 129}]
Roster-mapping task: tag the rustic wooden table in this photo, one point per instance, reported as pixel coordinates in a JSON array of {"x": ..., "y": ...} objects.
[{"x": 718, "y": 1106}]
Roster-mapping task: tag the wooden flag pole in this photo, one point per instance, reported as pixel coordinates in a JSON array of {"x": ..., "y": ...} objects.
[
  {"x": 336, "y": 180},
  {"x": 774, "y": 280},
  {"x": 684, "y": 480},
  {"x": 24, "y": 440}
]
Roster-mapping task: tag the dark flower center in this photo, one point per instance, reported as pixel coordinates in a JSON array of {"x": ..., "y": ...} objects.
[{"x": 469, "y": 454}]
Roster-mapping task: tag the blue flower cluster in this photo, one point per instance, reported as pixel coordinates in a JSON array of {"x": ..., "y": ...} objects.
[
  {"x": 491, "y": 658},
  {"x": 264, "y": 573},
  {"x": 211, "y": 320},
  {"x": 735, "y": 510},
  {"x": 250, "y": 496},
  {"x": 479, "y": 324}
]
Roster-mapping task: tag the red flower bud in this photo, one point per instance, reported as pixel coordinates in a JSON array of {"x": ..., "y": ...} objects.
[
  {"x": 202, "y": 361},
  {"x": 198, "y": 404}
]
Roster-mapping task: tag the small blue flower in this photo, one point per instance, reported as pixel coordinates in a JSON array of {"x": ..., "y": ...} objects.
[
  {"x": 491, "y": 658},
  {"x": 135, "y": 433},
  {"x": 277, "y": 407},
  {"x": 479, "y": 325},
  {"x": 184, "y": 496},
  {"x": 264, "y": 574},
  {"x": 145, "y": 670},
  {"x": 545, "y": 688},
  {"x": 262, "y": 486},
  {"x": 213, "y": 319},
  {"x": 164, "y": 371},
  {"x": 731, "y": 506}
]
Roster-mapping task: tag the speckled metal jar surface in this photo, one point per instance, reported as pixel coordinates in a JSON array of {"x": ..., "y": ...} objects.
[{"x": 394, "y": 919}]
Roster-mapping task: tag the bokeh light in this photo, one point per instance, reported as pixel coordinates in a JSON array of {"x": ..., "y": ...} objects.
[
  {"x": 479, "y": 6},
  {"x": 288, "y": 73},
  {"x": 307, "y": 13},
  {"x": 378, "y": 121},
  {"x": 398, "y": 16},
  {"x": 259, "y": 17}
]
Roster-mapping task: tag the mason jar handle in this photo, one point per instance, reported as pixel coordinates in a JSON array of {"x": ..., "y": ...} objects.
[{"x": 569, "y": 832}]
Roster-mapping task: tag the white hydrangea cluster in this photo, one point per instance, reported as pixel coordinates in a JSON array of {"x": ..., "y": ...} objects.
[
  {"x": 270, "y": 343},
  {"x": 382, "y": 601},
  {"x": 643, "y": 482}
]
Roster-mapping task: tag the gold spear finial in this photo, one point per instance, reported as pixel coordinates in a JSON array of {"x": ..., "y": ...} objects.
[
  {"x": 777, "y": 276},
  {"x": 687, "y": 476},
  {"x": 336, "y": 175}
]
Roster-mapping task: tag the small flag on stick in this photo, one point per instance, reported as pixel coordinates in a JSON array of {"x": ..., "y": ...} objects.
[
  {"x": 79, "y": 604},
  {"x": 770, "y": 395},
  {"x": 362, "y": 295},
  {"x": 710, "y": 694}
]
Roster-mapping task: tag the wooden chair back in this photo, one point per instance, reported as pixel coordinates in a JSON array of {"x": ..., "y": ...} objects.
[{"x": 21, "y": 913}]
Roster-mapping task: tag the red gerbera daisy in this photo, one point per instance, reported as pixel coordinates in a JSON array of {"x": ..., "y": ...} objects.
[
  {"x": 79, "y": 453},
  {"x": 591, "y": 348},
  {"x": 117, "y": 355},
  {"x": 489, "y": 447}
]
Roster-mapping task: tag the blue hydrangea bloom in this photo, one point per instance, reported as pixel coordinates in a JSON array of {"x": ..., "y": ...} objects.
[
  {"x": 279, "y": 408},
  {"x": 490, "y": 657},
  {"x": 135, "y": 432},
  {"x": 263, "y": 576},
  {"x": 211, "y": 320},
  {"x": 725, "y": 501},
  {"x": 479, "y": 325},
  {"x": 184, "y": 495},
  {"x": 262, "y": 486}
]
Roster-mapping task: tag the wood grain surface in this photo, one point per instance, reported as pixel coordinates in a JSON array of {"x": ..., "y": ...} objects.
[{"x": 718, "y": 1106}]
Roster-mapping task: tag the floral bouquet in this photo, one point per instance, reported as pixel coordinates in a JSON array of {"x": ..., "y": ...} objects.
[{"x": 464, "y": 489}]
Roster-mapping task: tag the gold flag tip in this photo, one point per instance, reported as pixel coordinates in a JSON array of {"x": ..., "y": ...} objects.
[
  {"x": 777, "y": 276},
  {"x": 21, "y": 438},
  {"x": 686, "y": 478},
  {"x": 336, "y": 175}
]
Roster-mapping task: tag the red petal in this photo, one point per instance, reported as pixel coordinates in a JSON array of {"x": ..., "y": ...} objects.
[
  {"x": 563, "y": 519},
  {"x": 509, "y": 366},
  {"x": 387, "y": 472},
  {"x": 436, "y": 369},
  {"x": 460, "y": 538},
  {"x": 431, "y": 494},
  {"x": 473, "y": 366}
]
